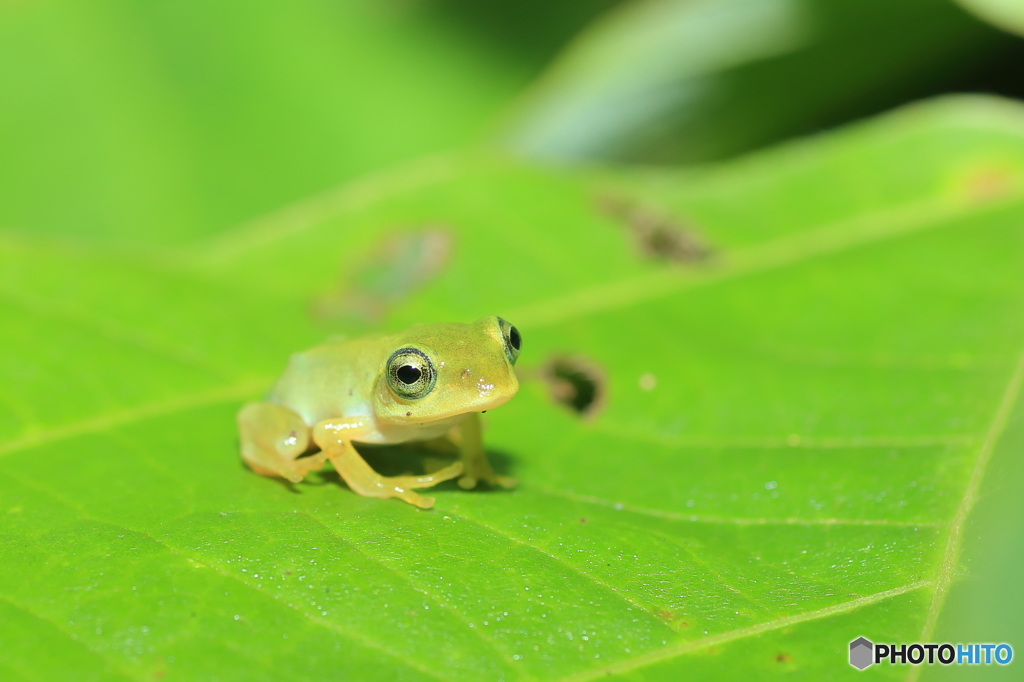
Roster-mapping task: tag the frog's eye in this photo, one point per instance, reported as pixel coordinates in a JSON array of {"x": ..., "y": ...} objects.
[
  {"x": 513, "y": 341},
  {"x": 411, "y": 373}
]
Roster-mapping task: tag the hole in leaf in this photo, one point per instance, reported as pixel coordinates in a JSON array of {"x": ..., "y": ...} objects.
[
  {"x": 576, "y": 383},
  {"x": 657, "y": 234}
]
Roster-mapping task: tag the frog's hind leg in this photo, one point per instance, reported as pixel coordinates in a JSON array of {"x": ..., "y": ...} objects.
[
  {"x": 272, "y": 438},
  {"x": 361, "y": 478}
]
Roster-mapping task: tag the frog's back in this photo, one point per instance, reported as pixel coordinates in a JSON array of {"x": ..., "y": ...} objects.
[{"x": 330, "y": 380}]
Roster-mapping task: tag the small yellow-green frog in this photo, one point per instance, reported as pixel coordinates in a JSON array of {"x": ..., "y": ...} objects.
[{"x": 427, "y": 383}]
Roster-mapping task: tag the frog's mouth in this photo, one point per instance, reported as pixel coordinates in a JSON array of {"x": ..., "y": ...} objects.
[
  {"x": 411, "y": 415},
  {"x": 478, "y": 401}
]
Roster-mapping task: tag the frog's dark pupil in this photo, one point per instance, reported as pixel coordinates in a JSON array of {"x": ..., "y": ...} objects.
[
  {"x": 513, "y": 338},
  {"x": 408, "y": 374}
]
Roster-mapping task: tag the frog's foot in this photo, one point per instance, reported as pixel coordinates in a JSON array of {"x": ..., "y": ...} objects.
[
  {"x": 273, "y": 438},
  {"x": 467, "y": 437},
  {"x": 486, "y": 474}
]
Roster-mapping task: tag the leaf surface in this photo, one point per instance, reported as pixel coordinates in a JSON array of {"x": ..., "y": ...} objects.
[{"x": 792, "y": 434}]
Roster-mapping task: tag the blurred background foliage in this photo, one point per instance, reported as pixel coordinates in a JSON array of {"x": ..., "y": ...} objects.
[{"x": 163, "y": 121}]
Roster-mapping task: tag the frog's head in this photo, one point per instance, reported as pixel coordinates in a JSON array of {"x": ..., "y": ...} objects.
[{"x": 436, "y": 371}]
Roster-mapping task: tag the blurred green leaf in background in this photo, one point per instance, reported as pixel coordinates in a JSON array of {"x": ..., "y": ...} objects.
[
  {"x": 770, "y": 402},
  {"x": 692, "y": 80},
  {"x": 162, "y": 121}
]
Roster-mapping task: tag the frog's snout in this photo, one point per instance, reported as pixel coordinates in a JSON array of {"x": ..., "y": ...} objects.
[{"x": 488, "y": 389}]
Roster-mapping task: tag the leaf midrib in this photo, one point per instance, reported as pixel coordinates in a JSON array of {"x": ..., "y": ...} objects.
[
  {"x": 877, "y": 226},
  {"x": 948, "y": 568}
]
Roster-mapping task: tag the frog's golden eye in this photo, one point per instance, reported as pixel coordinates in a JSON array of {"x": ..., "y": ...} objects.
[
  {"x": 513, "y": 341},
  {"x": 411, "y": 373}
]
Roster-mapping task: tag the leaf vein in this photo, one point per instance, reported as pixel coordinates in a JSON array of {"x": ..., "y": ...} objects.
[
  {"x": 676, "y": 650},
  {"x": 107, "y": 660},
  {"x": 109, "y": 329},
  {"x": 825, "y": 240},
  {"x": 112, "y": 419},
  {"x": 951, "y": 554},
  {"x": 737, "y": 521},
  {"x": 441, "y": 603},
  {"x": 559, "y": 560}
]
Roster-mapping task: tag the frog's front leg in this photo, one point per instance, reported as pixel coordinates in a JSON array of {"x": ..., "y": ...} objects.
[
  {"x": 467, "y": 436},
  {"x": 335, "y": 436},
  {"x": 272, "y": 438}
]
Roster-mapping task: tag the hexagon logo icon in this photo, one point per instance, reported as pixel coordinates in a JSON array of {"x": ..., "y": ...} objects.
[{"x": 861, "y": 651}]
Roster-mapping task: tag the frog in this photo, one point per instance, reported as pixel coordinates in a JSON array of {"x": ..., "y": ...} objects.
[{"x": 429, "y": 384}]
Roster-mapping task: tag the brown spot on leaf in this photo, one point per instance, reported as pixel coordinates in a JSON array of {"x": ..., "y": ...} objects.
[
  {"x": 576, "y": 383},
  {"x": 783, "y": 658},
  {"x": 989, "y": 183},
  {"x": 395, "y": 269},
  {"x": 665, "y": 614},
  {"x": 583, "y": 520},
  {"x": 657, "y": 234}
]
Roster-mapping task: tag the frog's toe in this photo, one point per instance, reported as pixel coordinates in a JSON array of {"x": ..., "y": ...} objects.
[
  {"x": 306, "y": 465},
  {"x": 506, "y": 482},
  {"x": 467, "y": 482},
  {"x": 421, "y": 501}
]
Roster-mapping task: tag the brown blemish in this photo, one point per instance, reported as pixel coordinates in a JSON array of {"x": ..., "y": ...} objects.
[
  {"x": 583, "y": 520},
  {"x": 988, "y": 183},
  {"x": 576, "y": 383},
  {"x": 783, "y": 658},
  {"x": 683, "y": 624},
  {"x": 394, "y": 269},
  {"x": 665, "y": 614},
  {"x": 465, "y": 373},
  {"x": 657, "y": 234},
  {"x": 408, "y": 414}
]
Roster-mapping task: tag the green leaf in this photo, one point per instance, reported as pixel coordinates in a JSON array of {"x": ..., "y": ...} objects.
[
  {"x": 160, "y": 122},
  {"x": 795, "y": 421},
  {"x": 1006, "y": 14},
  {"x": 695, "y": 80}
]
